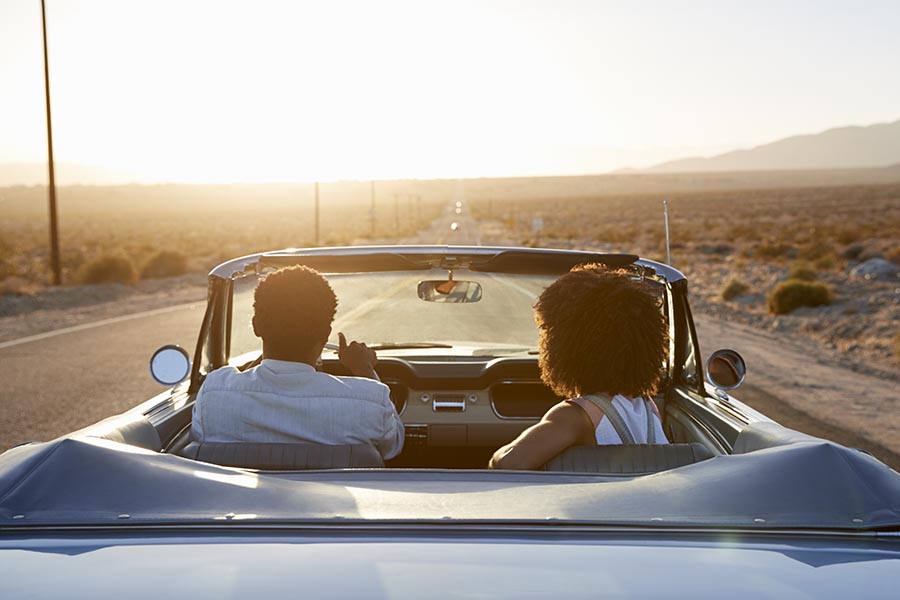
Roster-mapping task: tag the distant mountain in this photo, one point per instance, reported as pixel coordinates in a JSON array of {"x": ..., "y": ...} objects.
[
  {"x": 66, "y": 174},
  {"x": 841, "y": 148}
]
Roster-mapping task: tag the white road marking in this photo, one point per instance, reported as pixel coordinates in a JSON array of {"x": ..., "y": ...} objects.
[{"x": 101, "y": 323}]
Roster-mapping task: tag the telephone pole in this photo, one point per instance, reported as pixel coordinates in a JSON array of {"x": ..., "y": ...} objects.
[
  {"x": 316, "y": 239},
  {"x": 372, "y": 210},
  {"x": 396, "y": 213},
  {"x": 55, "y": 264}
]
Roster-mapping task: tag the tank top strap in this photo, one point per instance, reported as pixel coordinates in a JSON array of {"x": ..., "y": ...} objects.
[
  {"x": 612, "y": 413},
  {"x": 651, "y": 428}
]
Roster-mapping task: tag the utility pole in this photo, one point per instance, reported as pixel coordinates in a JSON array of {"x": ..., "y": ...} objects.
[
  {"x": 316, "y": 243},
  {"x": 372, "y": 210},
  {"x": 55, "y": 264}
]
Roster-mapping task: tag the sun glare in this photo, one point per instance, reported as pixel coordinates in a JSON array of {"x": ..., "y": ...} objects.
[{"x": 225, "y": 91}]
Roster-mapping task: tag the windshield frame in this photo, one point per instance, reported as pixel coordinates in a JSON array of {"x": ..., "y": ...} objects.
[{"x": 215, "y": 337}]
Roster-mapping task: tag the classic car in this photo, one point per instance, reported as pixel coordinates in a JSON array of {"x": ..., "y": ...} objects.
[{"x": 736, "y": 505}]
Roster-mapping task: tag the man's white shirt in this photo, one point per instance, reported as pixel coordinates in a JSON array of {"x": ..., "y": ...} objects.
[{"x": 282, "y": 401}]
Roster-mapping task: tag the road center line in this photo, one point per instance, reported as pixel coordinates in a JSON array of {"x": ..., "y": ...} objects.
[{"x": 101, "y": 323}]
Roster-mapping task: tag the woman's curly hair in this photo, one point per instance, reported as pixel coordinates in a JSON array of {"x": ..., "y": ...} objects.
[
  {"x": 293, "y": 307},
  {"x": 600, "y": 332}
]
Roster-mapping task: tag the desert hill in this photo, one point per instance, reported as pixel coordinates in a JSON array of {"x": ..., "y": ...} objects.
[{"x": 841, "y": 148}]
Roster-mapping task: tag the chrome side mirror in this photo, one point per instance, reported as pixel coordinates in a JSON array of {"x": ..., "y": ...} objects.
[
  {"x": 726, "y": 370},
  {"x": 448, "y": 290},
  {"x": 170, "y": 365}
]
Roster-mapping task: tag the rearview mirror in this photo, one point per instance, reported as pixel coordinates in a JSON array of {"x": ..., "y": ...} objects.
[
  {"x": 170, "y": 365},
  {"x": 449, "y": 291},
  {"x": 726, "y": 369}
]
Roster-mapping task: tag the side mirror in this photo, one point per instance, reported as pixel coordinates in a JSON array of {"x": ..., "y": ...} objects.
[
  {"x": 726, "y": 369},
  {"x": 170, "y": 365},
  {"x": 447, "y": 290}
]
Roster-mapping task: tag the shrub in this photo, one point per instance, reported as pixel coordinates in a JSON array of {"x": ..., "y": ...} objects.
[
  {"x": 825, "y": 263},
  {"x": 898, "y": 346},
  {"x": 848, "y": 235},
  {"x": 794, "y": 293},
  {"x": 893, "y": 255},
  {"x": 733, "y": 289},
  {"x": 109, "y": 268},
  {"x": 802, "y": 271},
  {"x": 853, "y": 251},
  {"x": 164, "y": 264},
  {"x": 772, "y": 249},
  {"x": 816, "y": 250}
]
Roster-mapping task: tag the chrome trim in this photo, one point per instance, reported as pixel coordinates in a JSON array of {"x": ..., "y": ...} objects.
[
  {"x": 394, "y": 526},
  {"x": 445, "y": 402}
]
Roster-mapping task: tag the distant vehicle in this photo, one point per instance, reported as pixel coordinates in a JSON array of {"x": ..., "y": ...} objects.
[{"x": 736, "y": 505}]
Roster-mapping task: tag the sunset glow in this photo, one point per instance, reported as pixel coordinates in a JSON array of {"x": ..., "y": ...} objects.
[{"x": 282, "y": 91}]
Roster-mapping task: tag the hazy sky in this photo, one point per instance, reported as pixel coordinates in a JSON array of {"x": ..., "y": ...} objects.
[{"x": 189, "y": 90}]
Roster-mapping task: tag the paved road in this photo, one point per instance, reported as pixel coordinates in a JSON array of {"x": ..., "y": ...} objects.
[{"x": 56, "y": 384}]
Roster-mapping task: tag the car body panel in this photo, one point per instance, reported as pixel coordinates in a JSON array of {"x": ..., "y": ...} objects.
[{"x": 447, "y": 566}]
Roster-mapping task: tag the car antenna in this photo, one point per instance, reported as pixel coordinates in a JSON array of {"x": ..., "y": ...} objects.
[{"x": 668, "y": 246}]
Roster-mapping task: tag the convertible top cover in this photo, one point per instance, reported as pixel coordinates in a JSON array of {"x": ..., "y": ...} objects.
[{"x": 776, "y": 478}]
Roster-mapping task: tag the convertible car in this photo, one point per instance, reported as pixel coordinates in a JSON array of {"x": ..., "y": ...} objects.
[{"x": 736, "y": 505}]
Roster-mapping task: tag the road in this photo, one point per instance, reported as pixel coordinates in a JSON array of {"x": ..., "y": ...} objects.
[{"x": 67, "y": 379}]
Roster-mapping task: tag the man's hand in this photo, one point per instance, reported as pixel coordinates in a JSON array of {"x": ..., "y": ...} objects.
[{"x": 357, "y": 357}]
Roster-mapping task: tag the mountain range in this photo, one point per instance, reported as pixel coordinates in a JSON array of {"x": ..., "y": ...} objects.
[
  {"x": 841, "y": 148},
  {"x": 854, "y": 147}
]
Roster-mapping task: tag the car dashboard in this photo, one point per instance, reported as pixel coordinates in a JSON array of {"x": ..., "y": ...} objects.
[{"x": 470, "y": 404}]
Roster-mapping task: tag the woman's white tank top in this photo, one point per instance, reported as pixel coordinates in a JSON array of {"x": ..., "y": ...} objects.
[{"x": 637, "y": 416}]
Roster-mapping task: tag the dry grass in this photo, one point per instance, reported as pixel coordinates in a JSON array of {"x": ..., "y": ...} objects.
[
  {"x": 206, "y": 224},
  {"x": 773, "y": 225}
]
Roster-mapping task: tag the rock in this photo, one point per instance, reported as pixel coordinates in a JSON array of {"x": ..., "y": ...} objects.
[{"x": 875, "y": 268}]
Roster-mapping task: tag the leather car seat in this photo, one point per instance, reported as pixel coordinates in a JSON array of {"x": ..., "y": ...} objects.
[
  {"x": 286, "y": 457},
  {"x": 636, "y": 459}
]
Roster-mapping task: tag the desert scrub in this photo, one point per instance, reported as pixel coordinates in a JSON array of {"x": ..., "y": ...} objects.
[
  {"x": 816, "y": 250},
  {"x": 826, "y": 263},
  {"x": 893, "y": 255},
  {"x": 802, "y": 271},
  {"x": 733, "y": 289},
  {"x": 166, "y": 263},
  {"x": 794, "y": 293},
  {"x": 109, "y": 268},
  {"x": 771, "y": 249}
]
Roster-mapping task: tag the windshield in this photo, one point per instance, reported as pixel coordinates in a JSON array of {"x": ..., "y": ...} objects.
[{"x": 384, "y": 309}]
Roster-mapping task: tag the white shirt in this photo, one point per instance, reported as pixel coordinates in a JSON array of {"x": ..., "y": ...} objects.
[
  {"x": 282, "y": 401},
  {"x": 633, "y": 412}
]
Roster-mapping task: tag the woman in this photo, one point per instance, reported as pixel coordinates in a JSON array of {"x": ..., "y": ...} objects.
[{"x": 603, "y": 342}]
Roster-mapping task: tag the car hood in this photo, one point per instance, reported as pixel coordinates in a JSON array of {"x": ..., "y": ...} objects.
[{"x": 807, "y": 484}]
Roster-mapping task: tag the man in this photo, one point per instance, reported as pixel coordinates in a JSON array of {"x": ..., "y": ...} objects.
[
  {"x": 602, "y": 345},
  {"x": 284, "y": 398}
]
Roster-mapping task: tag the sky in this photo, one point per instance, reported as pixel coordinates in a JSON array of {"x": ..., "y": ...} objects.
[{"x": 226, "y": 91}]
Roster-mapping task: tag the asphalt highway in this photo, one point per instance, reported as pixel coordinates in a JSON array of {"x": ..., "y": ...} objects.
[
  {"x": 62, "y": 380},
  {"x": 53, "y": 385}
]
